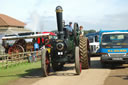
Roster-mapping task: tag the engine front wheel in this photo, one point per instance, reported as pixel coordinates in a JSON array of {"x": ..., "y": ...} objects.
[
  {"x": 77, "y": 61},
  {"x": 45, "y": 63}
]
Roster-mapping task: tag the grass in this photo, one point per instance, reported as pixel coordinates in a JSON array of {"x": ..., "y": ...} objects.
[
  {"x": 11, "y": 64},
  {"x": 19, "y": 71}
]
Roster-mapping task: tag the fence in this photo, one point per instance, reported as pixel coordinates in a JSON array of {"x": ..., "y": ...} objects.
[{"x": 7, "y": 60}]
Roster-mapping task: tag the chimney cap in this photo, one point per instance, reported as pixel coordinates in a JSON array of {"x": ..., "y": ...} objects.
[{"x": 59, "y": 9}]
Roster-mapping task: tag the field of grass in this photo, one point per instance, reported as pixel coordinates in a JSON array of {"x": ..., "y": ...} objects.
[{"x": 18, "y": 71}]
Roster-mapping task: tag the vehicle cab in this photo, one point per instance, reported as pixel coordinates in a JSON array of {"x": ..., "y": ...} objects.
[{"x": 114, "y": 46}]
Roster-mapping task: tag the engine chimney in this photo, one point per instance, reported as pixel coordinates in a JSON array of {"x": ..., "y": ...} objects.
[{"x": 59, "y": 17}]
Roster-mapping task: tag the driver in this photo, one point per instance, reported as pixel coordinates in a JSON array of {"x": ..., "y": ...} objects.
[{"x": 69, "y": 27}]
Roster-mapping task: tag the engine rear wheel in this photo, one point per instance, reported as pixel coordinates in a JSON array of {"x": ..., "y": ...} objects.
[
  {"x": 84, "y": 52},
  {"x": 77, "y": 61},
  {"x": 45, "y": 63}
]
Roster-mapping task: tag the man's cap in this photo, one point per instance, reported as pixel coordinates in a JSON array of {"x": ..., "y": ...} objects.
[{"x": 70, "y": 22}]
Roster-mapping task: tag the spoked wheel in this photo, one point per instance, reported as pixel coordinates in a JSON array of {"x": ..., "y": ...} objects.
[
  {"x": 77, "y": 61},
  {"x": 18, "y": 49},
  {"x": 20, "y": 42},
  {"x": 15, "y": 50},
  {"x": 10, "y": 51},
  {"x": 45, "y": 63}
]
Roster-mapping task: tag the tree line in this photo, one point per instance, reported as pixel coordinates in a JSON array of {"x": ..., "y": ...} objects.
[
  {"x": 85, "y": 31},
  {"x": 89, "y": 31}
]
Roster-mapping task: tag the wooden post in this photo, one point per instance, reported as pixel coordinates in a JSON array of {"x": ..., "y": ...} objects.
[{"x": 7, "y": 62}]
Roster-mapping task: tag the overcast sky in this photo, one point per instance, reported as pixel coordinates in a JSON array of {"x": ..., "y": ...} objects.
[{"x": 92, "y": 14}]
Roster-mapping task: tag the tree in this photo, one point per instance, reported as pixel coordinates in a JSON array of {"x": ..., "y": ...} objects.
[
  {"x": 54, "y": 31},
  {"x": 89, "y": 31}
]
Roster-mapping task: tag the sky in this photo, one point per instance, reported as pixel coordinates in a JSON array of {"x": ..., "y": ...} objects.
[{"x": 39, "y": 15}]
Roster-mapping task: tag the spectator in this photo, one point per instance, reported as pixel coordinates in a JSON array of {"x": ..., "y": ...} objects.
[
  {"x": 36, "y": 48},
  {"x": 81, "y": 31},
  {"x": 29, "y": 57}
]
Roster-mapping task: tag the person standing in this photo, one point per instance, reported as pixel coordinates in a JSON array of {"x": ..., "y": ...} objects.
[
  {"x": 81, "y": 31},
  {"x": 70, "y": 26},
  {"x": 36, "y": 48}
]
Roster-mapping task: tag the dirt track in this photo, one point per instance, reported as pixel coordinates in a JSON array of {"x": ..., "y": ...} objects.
[
  {"x": 118, "y": 76},
  {"x": 93, "y": 76}
]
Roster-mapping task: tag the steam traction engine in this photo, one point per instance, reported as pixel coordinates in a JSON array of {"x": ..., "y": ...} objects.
[{"x": 69, "y": 47}]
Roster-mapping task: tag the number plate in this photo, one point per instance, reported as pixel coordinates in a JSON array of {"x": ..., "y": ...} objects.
[{"x": 117, "y": 58}]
